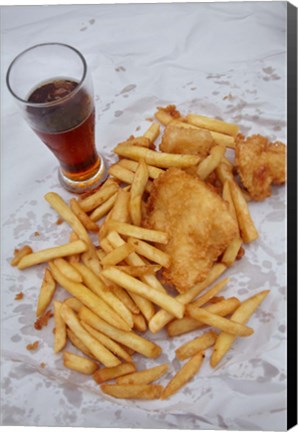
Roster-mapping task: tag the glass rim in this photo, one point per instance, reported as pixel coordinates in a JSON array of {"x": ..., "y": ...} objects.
[{"x": 52, "y": 103}]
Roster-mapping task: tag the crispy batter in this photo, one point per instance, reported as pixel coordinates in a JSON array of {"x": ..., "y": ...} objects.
[
  {"x": 33, "y": 346},
  {"x": 260, "y": 164},
  {"x": 19, "y": 296},
  {"x": 181, "y": 140},
  {"x": 197, "y": 221},
  {"x": 43, "y": 320},
  {"x": 171, "y": 109}
]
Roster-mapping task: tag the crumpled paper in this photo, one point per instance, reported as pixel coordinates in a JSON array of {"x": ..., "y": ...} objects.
[{"x": 226, "y": 60}]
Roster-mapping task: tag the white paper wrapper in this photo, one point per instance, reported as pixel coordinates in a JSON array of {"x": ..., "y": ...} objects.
[{"x": 223, "y": 60}]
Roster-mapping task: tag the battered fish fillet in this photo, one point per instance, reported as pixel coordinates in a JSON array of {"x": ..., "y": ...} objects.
[
  {"x": 181, "y": 140},
  {"x": 260, "y": 164},
  {"x": 197, "y": 221}
]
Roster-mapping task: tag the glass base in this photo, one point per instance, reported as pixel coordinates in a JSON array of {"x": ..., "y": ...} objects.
[{"x": 79, "y": 187}]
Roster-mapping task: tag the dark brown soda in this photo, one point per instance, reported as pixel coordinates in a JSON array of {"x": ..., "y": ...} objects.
[{"x": 66, "y": 125}]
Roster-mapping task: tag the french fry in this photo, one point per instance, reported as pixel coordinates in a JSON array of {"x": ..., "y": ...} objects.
[
  {"x": 224, "y": 324},
  {"x": 208, "y": 165},
  {"x": 163, "y": 117},
  {"x": 241, "y": 315},
  {"x": 60, "y": 337},
  {"x": 120, "y": 210},
  {"x": 19, "y": 254},
  {"x": 183, "y": 376},
  {"x": 106, "y": 246},
  {"x": 89, "y": 299},
  {"x": 67, "y": 269},
  {"x": 129, "y": 339},
  {"x": 125, "y": 175},
  {"x": 88, "y": 223},
  {"x": 152, "y": 132},
  {"x": 117, "y": 255},
  {"x": 73, "y": 303},
  {"x": 91, "y": 261},
  {"x": 247, "y": 227},
  {"x": 52, "y": 253},
  {"x": 162, "y": 317},
  {"x": 161, "y": 160},
  {"x": 187, "y": 324},
  {"x": 138, "y": 232},
  {"x": 99, "y": 197},
  {"x": 107, "y": 342},
  {"x": 96, "y": 285},
  {"x": 150, "y": 252},
  {"x": 146, "y": 376},
  {"x": 231, "y": 252},
  {"x": 76, "y": 342},
  {"x": 139, "y": 322},
  {"x": 200, "y": 343},
  {"x": 131, "y": 165},
  {"x": 137, "y": 190},
  {"x": 107, "y": 374},
  {"x": 100, "y": 211},
  {"x": 103, "y": 355},
  {"x": 210, "y": 293},
  {"x": 47, "y": 291},
  {"x": 125, "y": 298},
  {"x": 139, "y": 271},
  {"x": 132, "y": 391},
  {"x": 213, "y": 124},
  {"x": 224, "y": 172},
  {"x": 79, "y": 363},
  {"x": 73, "y": 258},
  {"x": 140, "y": 288},
  {"x": 100, "y": 253},
  {"x": 139, "y": 141}
]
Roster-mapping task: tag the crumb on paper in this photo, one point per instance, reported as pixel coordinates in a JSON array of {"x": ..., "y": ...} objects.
[
  {"x": 33, "y": 346},
  {"x": 59, "y": 221},
  {"x": 149, "y": 119},
  {"x": 42, "y": 365},
  {"x": 43, "y": 320},
  {"x": 54, "y": 330},
  {"x": 36, "y": 234},
  {"x": 19, "y": 296},
  {"x": 138, "y": 128}
]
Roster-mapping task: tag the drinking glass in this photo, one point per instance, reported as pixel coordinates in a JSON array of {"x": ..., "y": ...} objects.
[{"x": 53, "y": 88}]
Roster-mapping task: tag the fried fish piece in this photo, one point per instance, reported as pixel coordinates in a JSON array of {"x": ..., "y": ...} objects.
[
  {"x": 197, "y": 221},
  {"x": 260, "y": 164},
  {"x": 177, "y": 139}
]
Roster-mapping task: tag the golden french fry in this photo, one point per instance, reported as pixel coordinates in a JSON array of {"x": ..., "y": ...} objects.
[
  {"x": 183, "y": 376},
  {"x": 76, "y": 342},
  {"x": 89, "y": 299},
  {"x": 224, "y": 172},
  {"x": 137, "y": 190},
  {"x": 150, "y": 252},
  {"x": 241, "y": 315},
  {"x": 125, "y": 175},
  {"x": 79, "y": 363},
  {"x": 132, "y": 391},
  {"x": 231, "y": 253},
  {"x": 139, "y": 141},
  {"x": 163, "y": 117},
  {"x": 227, "y": 196},
  {"x": 129, "y": 339},
  {"x": 247, "y": 227},
  {"x": 139, "y": 271},
  {"x": 138, "y": 232},
  {"x": 107, "y": 374},
  {"x": 19, "y": 254},
  {"x": 96, "y": 285},
  {"x": 152, "y": 132},
  {"x": 107, "y": 342},
  {"x": 219, "y": 322},
  {"x": 125, "y": 298},
  {"x": 119, "y": 212},
  {"x": 139, "y": 323},
  {"x": 187, "y": 324},
  {"x": 97, "y": 349},
  {"x": 91, "y": 261},
  {"x": 51, "y": 253},
  {"x": 47, "y": 291},
  {"x": 73, "y": 303},
  {"x": 162, "y": 317},
  {"x": 88, "y": 223},
  {"x": 131, "y": 165},
  {"x": 100, "y": 253},
  {"x": 161, "y": 160},
  {"x": 208, "y": 165},
  {"x": 140, "y": 288},
  {"x": 210, "y": 293},
  {"x": 103, "y": 209},
  {"x": 60, "y": 337},
  {"x": 67, "y": 269},
  {"x": 201, "y": 343},
  {"x": 213, "y": 124},
  {"x": 145, "y": 376},
  {"x": 73, "y": 258},
  {"x": 99, "y": 197},
  {"x": 117, "y": 255}
]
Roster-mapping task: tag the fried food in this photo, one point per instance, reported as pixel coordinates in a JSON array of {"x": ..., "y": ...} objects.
[
  {"x": 198, "y": 224},
  {"x": 182, "y": 140},
  {"x": 260, "y": 164}
]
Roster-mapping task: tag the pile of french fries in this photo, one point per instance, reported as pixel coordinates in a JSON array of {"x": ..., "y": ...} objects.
[{"x": 109, "y": 269}]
